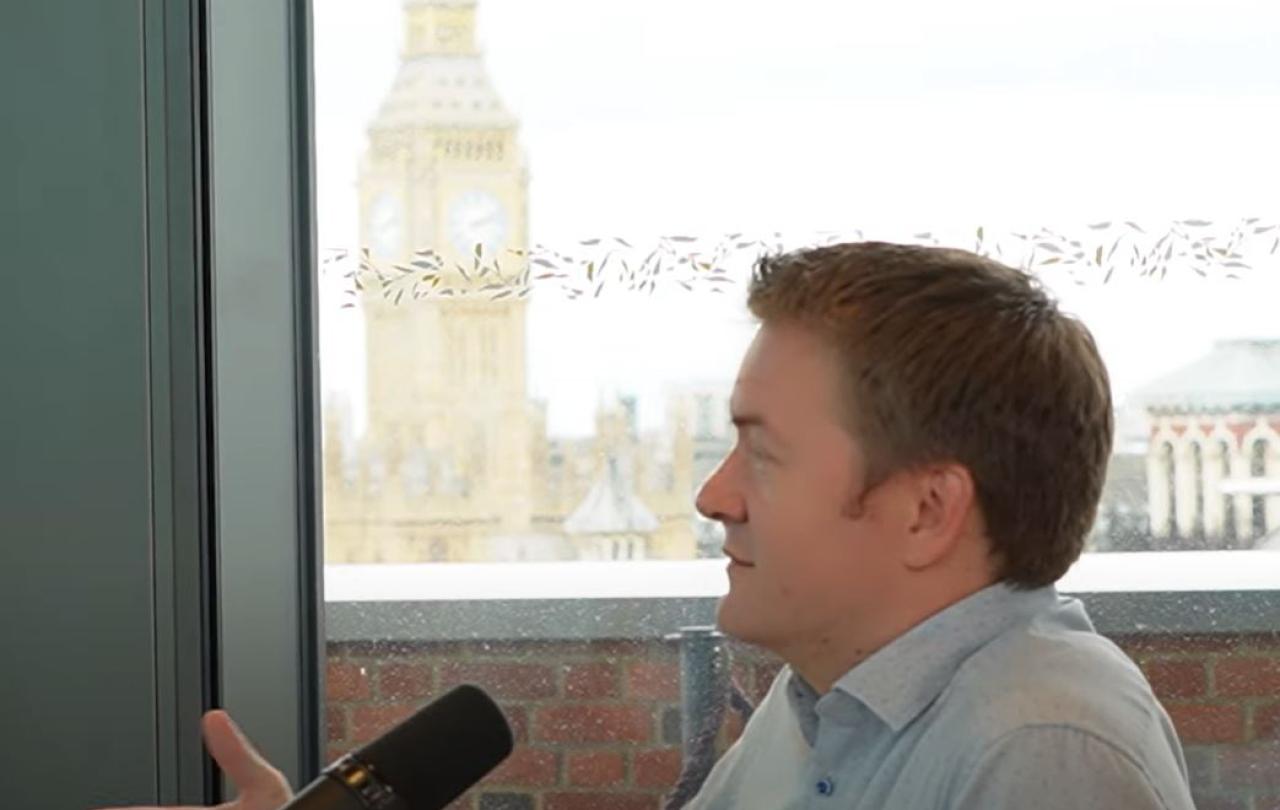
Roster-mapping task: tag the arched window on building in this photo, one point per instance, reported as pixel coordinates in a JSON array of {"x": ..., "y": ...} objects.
[
  {"x": 1171, "y": 488},
  {"x": 1258, "y": 469},
  {"x": 1197, "y": 471},
  {"x": 1228, "y": 500}
]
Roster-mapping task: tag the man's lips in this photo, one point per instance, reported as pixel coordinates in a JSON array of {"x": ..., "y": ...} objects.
[{"x": 736, "y": 560}]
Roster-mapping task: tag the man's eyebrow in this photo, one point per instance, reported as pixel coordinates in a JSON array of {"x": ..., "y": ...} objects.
[{"x": 746, "y": 420}]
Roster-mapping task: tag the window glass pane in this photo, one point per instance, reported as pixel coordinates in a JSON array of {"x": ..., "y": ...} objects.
[{"x": 537, "y": 220}]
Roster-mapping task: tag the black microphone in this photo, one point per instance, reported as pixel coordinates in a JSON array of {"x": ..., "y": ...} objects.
[{"x": 423, "y": 763}]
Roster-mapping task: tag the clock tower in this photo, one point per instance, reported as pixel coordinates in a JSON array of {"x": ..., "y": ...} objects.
[{"x": 449, "y": 418}]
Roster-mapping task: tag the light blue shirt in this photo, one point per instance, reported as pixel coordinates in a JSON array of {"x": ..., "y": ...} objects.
[{"x": 1006, "y": 699}]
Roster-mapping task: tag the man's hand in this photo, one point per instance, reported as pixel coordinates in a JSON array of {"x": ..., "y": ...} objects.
[{"x": 259, "y": 784}]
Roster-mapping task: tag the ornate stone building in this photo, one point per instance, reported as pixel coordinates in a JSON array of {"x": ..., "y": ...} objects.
[
  {"x": 1213, "y": 461},
  {"x": 455, "y": 463}
]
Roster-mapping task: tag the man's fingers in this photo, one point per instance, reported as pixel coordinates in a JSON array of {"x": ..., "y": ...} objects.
[{"x": 239, "y": 760}]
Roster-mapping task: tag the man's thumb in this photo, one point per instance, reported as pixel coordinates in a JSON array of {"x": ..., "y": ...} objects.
[{"x": 241, "y": 762}]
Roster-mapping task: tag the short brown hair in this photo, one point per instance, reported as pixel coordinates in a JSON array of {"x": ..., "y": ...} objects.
[{"x": 949, "y": 356}]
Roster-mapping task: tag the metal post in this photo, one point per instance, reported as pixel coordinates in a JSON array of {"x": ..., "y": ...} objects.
[{"x": 704, "y": 687}]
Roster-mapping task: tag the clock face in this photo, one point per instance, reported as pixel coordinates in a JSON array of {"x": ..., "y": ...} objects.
[
  {"x": 477, "y": 218},
  {"x": 383, "y": 224}
]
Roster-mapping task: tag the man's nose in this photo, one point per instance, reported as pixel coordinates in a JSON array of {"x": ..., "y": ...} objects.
[{"x": 718, "y": 498}]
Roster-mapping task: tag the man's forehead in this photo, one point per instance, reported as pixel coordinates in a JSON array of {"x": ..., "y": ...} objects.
[
  {"x": 757, "y": 366},
  {"x": 786, "y": 376},
  {"x": 754, "y": 403},
  {"x": 748, "y": 390},
  {"x": 775, "y": 358}
]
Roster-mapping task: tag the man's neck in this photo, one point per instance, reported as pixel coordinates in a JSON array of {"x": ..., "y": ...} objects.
[{"x": 824, "y": 659}]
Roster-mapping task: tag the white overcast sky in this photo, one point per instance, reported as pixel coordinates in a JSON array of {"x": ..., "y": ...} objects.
[{"x": 710, "y": 116}]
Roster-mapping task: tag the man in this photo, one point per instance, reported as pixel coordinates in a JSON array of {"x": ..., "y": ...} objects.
[{"x": 922, "y": 441}]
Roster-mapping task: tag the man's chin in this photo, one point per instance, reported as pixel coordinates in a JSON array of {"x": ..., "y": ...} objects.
[{"x": 732, "y": 623}]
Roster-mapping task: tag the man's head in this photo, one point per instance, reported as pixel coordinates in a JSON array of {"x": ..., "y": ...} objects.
[{"x": 914, "y": 423}]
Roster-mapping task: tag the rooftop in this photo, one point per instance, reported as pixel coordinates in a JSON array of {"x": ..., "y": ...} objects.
[{"x": 1234, "y": 375}]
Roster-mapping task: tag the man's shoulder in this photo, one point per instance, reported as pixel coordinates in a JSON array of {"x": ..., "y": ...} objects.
[
  {"x": 1040, "y": 675},
  {"x": 1072, "y": 698}
]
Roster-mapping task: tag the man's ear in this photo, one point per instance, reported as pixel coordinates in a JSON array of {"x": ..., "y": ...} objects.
[{"x": 943, "y": 500}]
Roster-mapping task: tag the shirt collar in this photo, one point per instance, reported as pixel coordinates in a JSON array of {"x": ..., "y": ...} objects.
[{"x": 898, "y": 681}]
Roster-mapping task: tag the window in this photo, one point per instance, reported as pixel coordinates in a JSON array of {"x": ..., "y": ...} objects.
[
  {"x": 1229, "y": 529},
  {"x": 1258, "y": 470},
  {"x": 1197, "y": 473},
  {"x": 560, "y": 202}
]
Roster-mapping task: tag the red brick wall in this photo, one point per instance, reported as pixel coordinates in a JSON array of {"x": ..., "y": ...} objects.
[
  {"x": 597, "y": 724},
  {"x": 1223, "y": 693}
]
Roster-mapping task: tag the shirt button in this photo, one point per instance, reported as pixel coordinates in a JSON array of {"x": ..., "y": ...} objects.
[{"x": 825, "y": 787}]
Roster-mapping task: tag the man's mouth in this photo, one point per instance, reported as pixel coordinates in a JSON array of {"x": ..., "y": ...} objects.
[{"x": 736, "y": 560}]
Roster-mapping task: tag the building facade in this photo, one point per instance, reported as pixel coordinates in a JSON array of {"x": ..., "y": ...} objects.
[{"x": 1213, "y": 459}]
